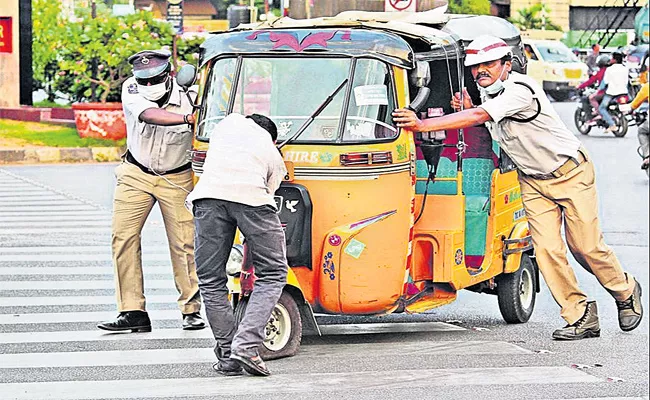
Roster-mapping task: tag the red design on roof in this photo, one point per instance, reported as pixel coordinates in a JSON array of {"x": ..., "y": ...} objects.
[{"x": 287, "y": 39}]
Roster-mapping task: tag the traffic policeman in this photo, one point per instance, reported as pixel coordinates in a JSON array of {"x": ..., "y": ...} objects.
[
  {"x": 557, "y": 184},
  {"x": 155, "y": 168}
]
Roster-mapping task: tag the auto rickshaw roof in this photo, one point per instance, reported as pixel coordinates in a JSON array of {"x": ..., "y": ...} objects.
[
  {"x": 369, "y": 34},
  {"x": 469, "y": 27}
]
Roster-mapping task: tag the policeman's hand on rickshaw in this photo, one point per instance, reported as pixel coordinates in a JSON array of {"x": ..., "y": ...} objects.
[
  {"x": 467, "y": 101},
  {"x": 405, "y": 118}
]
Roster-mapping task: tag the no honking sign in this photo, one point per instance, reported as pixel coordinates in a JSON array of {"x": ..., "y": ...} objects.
[{"x": 401, "y": 5}]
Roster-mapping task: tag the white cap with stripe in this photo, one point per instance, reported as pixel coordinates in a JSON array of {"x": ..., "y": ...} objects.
[{"x": 485, "y": 48}]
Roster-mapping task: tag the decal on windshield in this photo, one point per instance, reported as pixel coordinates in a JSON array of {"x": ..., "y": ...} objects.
[
  {"x": 281, "y": 39},
  {"x": 371, "y": 95}
]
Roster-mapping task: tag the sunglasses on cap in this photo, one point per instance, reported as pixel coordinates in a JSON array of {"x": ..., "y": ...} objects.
[{"x": 155, "y": 80}]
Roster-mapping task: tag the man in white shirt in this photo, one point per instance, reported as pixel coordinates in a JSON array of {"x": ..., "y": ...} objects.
[
  {"x": 242, "y": 171},
  {"x": 616, "y": 79}
]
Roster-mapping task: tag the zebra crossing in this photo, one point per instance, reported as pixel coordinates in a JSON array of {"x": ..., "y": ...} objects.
[{"x": 56, "y": 283}]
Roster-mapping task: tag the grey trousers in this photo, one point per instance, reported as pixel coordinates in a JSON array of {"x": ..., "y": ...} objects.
[{"x": 215, "y": 224}]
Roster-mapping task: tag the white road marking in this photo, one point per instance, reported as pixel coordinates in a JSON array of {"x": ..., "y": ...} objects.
[
  {"x": 73, "y": 257},
  {"x": 25, "y": 219},
  {"x": 78, "y": 285},
  {"x": 197, "y": 355},
  {"x": 29, "y": 231},
  {"x": 32, "y": 197},
  {"x": 295, "y": 383},
  {"x": 30, "y": 202},
  {"x": 362, "y": 329},
  {"x": 74, "y": 317},
  {"x": 13, "y": 271},
  {"x": 56, "y": 224},
  {"x": 71, "y": 249},
  {"x": 156, "y": 334},
  {"x": 49, "y": 213},
  {"x": 39, "y": 192},
  {"x": 76, "y": 300},
  {"x": 40, "y": 208}
]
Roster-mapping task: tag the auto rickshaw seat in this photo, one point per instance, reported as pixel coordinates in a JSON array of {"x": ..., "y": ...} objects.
[
  {"x": 478, "y": 165},
  {"x": 446, "y": 169}
]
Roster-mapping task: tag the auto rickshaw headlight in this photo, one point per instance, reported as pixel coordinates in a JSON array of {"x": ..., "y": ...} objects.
[{"x": 235, "y": 260}]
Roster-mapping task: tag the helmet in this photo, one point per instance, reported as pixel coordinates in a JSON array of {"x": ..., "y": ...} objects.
[
  {"x": 603, "y": 60},
  {"x": 485, "y": 48}
]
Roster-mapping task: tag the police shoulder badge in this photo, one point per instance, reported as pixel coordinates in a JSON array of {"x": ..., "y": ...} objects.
[{"x": 133, "y": 88}]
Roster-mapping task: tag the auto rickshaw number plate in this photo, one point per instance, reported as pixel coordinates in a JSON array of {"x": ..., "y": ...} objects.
[{"x": 289, "y": 176}]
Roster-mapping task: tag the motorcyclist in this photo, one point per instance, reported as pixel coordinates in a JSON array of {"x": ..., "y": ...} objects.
[
  {"x": 595, "y": 79},
  {"x": 615, "y": 82}
]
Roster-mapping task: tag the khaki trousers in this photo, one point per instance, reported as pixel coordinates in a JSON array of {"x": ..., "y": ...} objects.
[
  {"x": 571, "y": 197},
  {"x": 135, "y": 195}
]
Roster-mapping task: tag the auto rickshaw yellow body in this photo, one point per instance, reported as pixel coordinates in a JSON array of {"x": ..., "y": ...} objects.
[{"x": 377, "y": 219}]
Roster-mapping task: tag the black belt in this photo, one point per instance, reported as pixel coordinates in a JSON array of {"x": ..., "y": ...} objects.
[{"x": 132, "y": 160}]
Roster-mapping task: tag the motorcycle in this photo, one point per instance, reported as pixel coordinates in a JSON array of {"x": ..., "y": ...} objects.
[{"x": 585, "y": 117}]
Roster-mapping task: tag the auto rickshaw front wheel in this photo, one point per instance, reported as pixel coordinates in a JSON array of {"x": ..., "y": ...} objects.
[
  {"x": 283, "y": 330},
  {"x": 516, "y": 292}
]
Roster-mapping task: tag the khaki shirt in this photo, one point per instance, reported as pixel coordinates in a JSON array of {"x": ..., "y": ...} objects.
[
  {"x": 537, "y": 147},
  {"x": 161, "y": 148}
]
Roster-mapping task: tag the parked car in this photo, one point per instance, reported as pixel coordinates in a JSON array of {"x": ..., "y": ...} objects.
[{"x": 555, "y": 67}]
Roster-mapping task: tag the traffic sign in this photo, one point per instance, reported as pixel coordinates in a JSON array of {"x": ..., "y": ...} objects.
[
  {"x": 175, "y": 15},
  {"x": 401, "y": 5}
]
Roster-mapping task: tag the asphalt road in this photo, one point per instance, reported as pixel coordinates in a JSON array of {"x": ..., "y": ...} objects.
[{"x": 56, "y": 283}]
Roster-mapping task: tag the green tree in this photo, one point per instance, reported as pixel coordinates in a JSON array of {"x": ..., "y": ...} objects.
[
  {"x": 475, "y": 7},
  {"x": 111, "y": 40},
  {"x": 534, "y": 17},
  {"x": 47, "y": 30}
]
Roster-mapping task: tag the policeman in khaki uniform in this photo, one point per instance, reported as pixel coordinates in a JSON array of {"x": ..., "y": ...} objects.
[
  {"x": 155, "y": 169},
  {"x": 557, "y": 182}
]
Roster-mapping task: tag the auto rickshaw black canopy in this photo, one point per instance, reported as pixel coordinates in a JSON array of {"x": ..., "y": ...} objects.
[{"x": 397, "y": 42}]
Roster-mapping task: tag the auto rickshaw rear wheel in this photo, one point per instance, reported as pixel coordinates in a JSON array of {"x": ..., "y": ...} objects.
[
  {"x": 516, "y": 292},
  {"x": 283, "y": 330}
]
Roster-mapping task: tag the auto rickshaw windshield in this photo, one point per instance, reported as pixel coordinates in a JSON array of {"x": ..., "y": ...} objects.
[{"x": 289, "y": 90}]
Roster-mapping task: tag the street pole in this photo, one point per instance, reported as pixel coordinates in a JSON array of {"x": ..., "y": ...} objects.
[
  {"x": 93, "y": 73},
  {"x": 175, "y": 52},
  {"x": 307, "y": 9}
]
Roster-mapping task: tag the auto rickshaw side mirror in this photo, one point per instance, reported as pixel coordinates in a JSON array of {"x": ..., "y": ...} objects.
[
  {"x": 420, "y": 77},
  {"x": 186, "y": 76}
]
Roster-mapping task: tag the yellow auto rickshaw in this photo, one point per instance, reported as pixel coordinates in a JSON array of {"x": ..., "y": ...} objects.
[{"x": 378, "y": 220}]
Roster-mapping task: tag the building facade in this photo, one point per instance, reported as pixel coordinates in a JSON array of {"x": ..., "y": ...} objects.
[{"x": 581, "y": 14}]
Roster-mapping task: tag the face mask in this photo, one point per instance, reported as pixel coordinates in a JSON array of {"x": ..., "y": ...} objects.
[
  {"x": 496, "y": 86},
  {"x": 153, "y": 92}
]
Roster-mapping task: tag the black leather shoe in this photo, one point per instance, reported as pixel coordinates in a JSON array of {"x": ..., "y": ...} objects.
[
  {"x": 134, "y": 321},
  {"x": 251, "y": 364},
  {"x": 193, "y": 322},
  {"x": 220, "y": 369},
  {"x": 586, "y": 327},
  {"x": 630, "y": 311}
]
